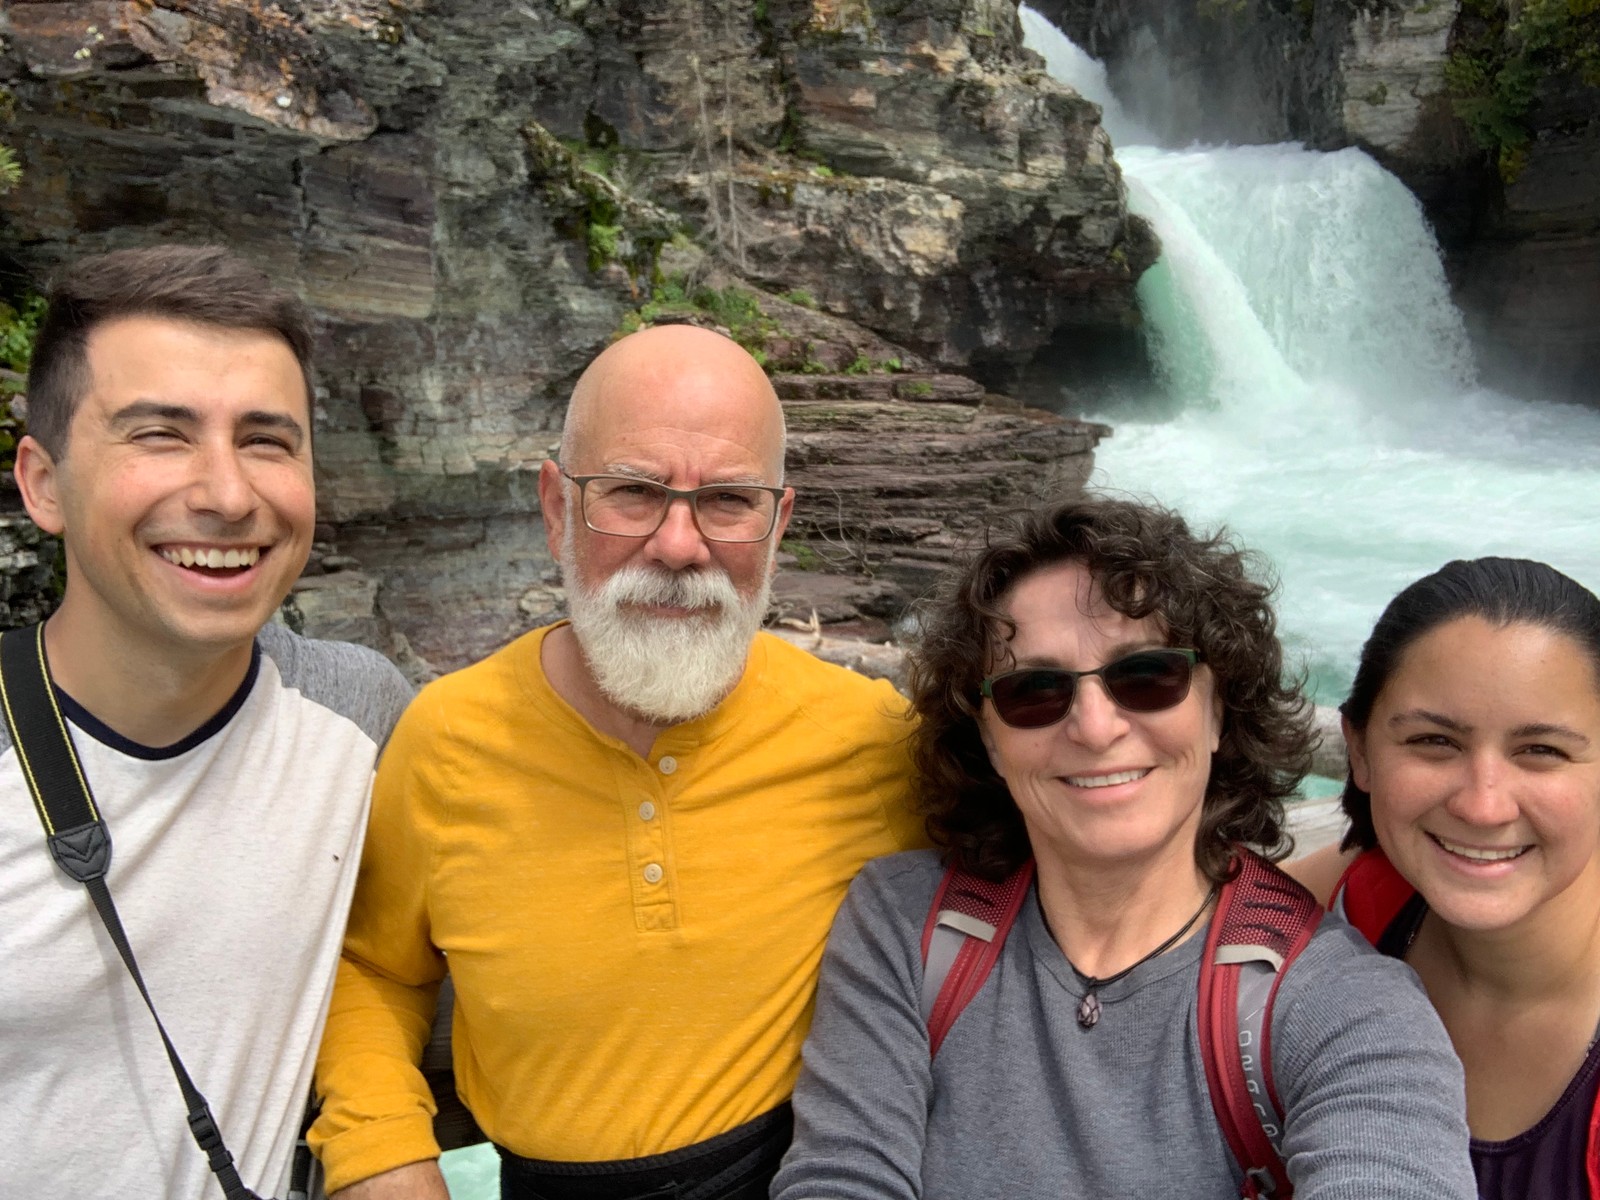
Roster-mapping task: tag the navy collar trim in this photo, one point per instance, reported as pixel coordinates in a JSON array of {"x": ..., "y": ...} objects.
[{"x": 103, "y": 733}]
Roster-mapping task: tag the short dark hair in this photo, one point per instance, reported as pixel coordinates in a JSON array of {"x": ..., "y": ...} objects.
[
  {"x": 1501, "y": 591},
  {"x": 203, "y": 284},
  {"x": 1147, "y": 564}
]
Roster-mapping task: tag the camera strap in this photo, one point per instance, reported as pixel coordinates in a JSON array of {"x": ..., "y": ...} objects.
[{"x": 80, "y": 843}]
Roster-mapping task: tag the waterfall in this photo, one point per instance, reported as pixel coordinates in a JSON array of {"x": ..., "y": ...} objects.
[{"x": 1326, "y": 411}]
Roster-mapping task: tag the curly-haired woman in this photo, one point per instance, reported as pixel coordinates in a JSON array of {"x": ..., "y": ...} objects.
[{"x": 1101, "y": 691}]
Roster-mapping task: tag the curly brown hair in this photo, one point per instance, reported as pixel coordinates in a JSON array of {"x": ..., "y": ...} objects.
[{"x": 1147, "y": 563}]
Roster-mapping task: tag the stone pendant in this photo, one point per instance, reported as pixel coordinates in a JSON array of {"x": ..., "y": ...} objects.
[{"x": 1089, "y": 1010}]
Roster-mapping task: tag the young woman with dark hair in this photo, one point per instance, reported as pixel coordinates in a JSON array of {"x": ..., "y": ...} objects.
[{"x": 1473, "y": 729}]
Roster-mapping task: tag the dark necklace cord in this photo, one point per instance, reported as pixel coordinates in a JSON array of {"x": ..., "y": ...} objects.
[{"x": 1089, "y": 1006}]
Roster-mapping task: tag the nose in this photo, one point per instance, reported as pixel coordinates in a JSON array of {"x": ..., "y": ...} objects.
[
  {"x": 1095, "y": 721},
  {"x": 678, "y": 543},
  {"x": 1484, "y": 796},
  {"x": 222, "y": 485}
]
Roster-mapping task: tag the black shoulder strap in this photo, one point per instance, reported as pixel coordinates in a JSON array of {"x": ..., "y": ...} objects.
[{"x": 81, "y": 844}]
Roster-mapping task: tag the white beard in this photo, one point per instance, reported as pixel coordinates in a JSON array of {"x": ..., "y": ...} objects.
[{"x": 664, "y": 669}]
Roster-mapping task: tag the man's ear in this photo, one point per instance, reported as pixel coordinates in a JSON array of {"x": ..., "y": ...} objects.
[
  {"x": 37, "y": 475},
  {"x": 553, "y": 505},
  {"x": 785, "y": 511}
]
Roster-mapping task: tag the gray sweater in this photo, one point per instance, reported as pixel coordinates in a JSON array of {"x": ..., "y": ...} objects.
[{"x": 1021, "y": 1102}]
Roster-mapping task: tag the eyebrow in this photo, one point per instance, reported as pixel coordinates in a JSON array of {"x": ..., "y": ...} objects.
[
  {"x": 1534, "y": 729},
  {"x": 142, "y": 410},
  {"x": 1431, "y": 717},
  {"x": 649, "y": 476},
  {"x": 1121, "y": 650},
  {"x": 1548, "y": 729},
  {"x": 145, "y": 410}
]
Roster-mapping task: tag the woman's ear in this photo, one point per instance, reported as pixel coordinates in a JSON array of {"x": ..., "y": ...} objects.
[
  {"x": 983, "y": 736},
  {"x": 1355, "y": 748}
]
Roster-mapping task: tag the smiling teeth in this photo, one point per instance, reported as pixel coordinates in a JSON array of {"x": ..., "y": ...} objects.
[
  {"x": 1094, "y": 781},
  {"x": 1481, "y": 855},
  {"x": 214, "y": 559}
]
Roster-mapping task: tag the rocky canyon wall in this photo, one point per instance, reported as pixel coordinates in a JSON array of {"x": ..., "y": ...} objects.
[
  {"x": 1520, "y": 224},
  {"x": 476, "y": 196}
]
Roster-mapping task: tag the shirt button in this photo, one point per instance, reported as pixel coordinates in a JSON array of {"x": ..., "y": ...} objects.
[
  {"x": 667, "y": 765},
  {"x": 652, "y": 873},
  {"x": 647, "y": 811}
]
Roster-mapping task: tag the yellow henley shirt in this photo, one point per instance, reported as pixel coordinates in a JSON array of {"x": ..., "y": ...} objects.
[{"x": 634, "y": 942}]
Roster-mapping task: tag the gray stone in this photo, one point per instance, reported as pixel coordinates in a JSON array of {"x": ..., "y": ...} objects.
[
  {"x": 27, "y": 571},
  {"x": 473, "y": 195}
]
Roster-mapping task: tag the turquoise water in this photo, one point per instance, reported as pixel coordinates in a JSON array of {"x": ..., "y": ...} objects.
[
  {"x": 472, "y": 1173},
  {"x": 1320, "y": 385}
]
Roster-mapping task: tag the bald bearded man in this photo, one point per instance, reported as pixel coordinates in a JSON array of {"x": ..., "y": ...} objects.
[{"x": 627, "y": 833}]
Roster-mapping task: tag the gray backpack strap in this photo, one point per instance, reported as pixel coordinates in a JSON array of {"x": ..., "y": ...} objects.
[{"x": 961, "y": 941}]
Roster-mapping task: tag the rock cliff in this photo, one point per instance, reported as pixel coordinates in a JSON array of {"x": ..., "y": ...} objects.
[
  {"x": 475, "y": 196},
  {"x": 1520, "y": 223}
]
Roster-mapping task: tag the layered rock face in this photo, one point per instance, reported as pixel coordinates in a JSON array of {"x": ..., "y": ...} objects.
[
  {"x": 474, "y": 196},
  {"x": 1522, "y": 245}
]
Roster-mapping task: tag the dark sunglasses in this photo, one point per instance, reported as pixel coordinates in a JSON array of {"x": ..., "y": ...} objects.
[{"x": 1145, "y": 681}]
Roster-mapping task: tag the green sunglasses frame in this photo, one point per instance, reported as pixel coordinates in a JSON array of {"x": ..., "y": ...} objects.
[{"x": 986, "y": 688}]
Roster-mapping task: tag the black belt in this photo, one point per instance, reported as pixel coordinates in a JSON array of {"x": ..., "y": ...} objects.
[{"x": 737, "y": 1165}]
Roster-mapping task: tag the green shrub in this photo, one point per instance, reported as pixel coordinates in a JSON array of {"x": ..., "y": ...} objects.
[
  {"x": 18, "y": 324},
  {"x": 1493, "y": 73}
]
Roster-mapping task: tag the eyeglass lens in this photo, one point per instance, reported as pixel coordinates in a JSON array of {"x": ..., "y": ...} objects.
[
  {"x": 1147, "y": 681},
  {"x": 635, "y": 508}
]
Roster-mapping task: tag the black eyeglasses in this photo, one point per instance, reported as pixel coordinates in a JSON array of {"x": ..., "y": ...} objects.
[
  {"x": 1145, "y": 681},
  {"x": 623, "y": 506}
]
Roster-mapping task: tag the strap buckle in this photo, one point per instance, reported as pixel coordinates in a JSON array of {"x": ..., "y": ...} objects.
[
  {"x": 204, "y": 1127},
  {"x": 1259, "y": 1184}
]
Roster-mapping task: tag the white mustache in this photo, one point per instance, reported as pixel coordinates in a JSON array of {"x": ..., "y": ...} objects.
[{"x": 637, "y": 584}]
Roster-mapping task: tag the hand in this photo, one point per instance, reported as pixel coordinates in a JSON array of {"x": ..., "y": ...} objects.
[{"x": 414, "y": 1181}]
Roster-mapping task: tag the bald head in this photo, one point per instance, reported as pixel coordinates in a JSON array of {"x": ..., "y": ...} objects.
[{"x": 672, "y": 382}]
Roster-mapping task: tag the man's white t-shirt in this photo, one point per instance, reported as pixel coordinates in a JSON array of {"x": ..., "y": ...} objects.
[{"x": 234, "y": 855}]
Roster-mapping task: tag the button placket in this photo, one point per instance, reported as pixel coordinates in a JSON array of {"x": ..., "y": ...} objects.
[{"x": 649, "y": 855}]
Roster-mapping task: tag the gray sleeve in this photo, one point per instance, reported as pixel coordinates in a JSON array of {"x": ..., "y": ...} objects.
[
  {"x": 861, "y": 1104},
  {"x": 353, "y": 681},
  {"x": 1373, "y": 1095}
]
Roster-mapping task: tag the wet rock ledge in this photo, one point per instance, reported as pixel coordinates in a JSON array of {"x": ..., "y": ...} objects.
[
  {"x": 894, "y": 474},
  {"x": 476, "y": 196}
]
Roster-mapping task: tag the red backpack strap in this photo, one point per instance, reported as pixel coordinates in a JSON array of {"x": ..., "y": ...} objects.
[
  {"x": 1371, "y": 895},
  {"x": 961, "y": 941},
  {"x": 1264, "y": 920},
  {"x": 1591, "y": 1154}
]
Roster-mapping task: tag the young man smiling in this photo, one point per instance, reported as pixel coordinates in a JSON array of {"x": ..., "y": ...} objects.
[{"x": 169, "y": 447}]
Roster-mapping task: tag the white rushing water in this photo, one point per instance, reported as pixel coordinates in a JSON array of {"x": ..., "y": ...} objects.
[{"x": 1322, "y": 385}]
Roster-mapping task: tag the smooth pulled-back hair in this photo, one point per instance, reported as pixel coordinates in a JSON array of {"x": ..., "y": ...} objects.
[
  {"x": 1501, "y": 591},
  {"x": 206, "y": 285},
  {"x": 1148, "y": 564}
]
